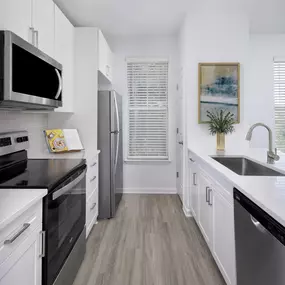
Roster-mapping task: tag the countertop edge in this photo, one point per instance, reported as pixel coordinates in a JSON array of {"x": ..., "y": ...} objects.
[{"x": 41, "y": 193}]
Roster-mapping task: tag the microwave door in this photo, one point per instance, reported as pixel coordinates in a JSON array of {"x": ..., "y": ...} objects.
[{"x": 31, "y": 78}]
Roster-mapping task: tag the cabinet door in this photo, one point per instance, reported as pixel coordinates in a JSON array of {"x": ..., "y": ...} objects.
[
  {"x": 16, "y": 16},
  {"x": 205, "y": 210},
  {"x": 223, "y": 237},
  {"x": 105, "y": 57},
  {"x": 64, "y": 53},
  {"x": 44, "y": 21},
  {"x": 194, "y": 190},
  {"x": 24, "y": 265},
  {"x": 109, "y": 67}
]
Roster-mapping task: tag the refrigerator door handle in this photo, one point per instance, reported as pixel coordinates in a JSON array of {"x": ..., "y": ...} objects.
[
  {"x": 117, "y": 132},
  {"x": 117, "y": 111}
]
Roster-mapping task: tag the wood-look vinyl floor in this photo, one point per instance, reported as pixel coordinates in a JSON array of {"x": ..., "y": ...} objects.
[{"x": 150, "y": 242}]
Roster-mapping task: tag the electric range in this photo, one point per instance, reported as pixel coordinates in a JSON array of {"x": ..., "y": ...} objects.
[{"x": 64, "y": 207}]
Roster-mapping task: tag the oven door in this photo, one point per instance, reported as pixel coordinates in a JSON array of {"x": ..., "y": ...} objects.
[{"x": 64, "y": 220}]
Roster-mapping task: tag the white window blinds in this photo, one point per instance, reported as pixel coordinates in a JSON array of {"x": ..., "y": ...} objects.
[
  {"x": 148, "y": 109},
  {"x": 279, "y": 102}
]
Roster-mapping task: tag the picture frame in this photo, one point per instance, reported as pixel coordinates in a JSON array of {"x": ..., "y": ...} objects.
[{"x": 218, "y": 88}]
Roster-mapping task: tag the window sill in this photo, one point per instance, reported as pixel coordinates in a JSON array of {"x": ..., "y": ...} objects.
[{"x": 140, "y": 161}]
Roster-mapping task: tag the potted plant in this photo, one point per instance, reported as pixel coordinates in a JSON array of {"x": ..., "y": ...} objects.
[{"x": 221, "y": 123}]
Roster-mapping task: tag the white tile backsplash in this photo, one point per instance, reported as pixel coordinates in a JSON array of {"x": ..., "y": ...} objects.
[{"x": 34, "y": 123}]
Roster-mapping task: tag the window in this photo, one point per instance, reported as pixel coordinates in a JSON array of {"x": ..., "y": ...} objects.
[
  {"x": 279, "y": 102},
  {"x": 147, "y": 109}
]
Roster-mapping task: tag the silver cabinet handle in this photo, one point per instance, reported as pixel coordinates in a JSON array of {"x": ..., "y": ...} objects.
[
  {"x": 107, "y": 70},
  {"x": 92, "y": 165},
  {"x": 180, "y": 142},
  {"x": 194, "y": 179},
  {"x": 36, "y": 38},
  {"x": 33, "y": 35},
  {"x": 91, "y": 180},
  {"x": 210, "y": 202},
  {"x": 93, "y": 206},
  {"x": 207, "y": 199},
  {"x": 9, "y": 241},
  {"x": 43, "y": 234},
  {"x": 191, "y": 159},
  {"x": 59, "y": 84}
]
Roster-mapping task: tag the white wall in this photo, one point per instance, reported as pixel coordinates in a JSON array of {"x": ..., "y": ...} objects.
[
  {"x": 213, "y": 34},
  {"x": 33, "y": 123},
  {"x": 260, "y": 103},
  {"x": 148, "y": 177}
]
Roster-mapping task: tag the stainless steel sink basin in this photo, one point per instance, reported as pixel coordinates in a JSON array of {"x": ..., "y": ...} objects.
[{"x": 245, "y": 167}]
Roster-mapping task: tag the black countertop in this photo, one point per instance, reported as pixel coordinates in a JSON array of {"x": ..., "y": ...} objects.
[{"x": 39, "y": 173}]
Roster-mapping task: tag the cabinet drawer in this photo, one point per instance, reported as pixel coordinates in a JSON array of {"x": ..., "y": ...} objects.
[
  {"x": 23, "y": 266},
  {"x": 17, "y": 231},
  {"x": 92, "y": 168},
  {"x": 92, "y": 176},
  {"x": 91, "y": 185},
  {"x": 91, "y": 207}
]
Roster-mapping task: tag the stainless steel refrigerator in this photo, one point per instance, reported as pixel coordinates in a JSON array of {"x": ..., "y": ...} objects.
[{"x": 110, "y": 137}]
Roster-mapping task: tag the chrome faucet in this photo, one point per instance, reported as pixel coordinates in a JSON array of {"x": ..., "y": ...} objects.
[{"x": 271, "y": 156}]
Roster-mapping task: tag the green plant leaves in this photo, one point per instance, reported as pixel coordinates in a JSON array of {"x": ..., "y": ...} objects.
[{"x": 221, "y": 121}]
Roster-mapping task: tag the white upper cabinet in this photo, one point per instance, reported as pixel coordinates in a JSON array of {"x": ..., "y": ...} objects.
[
  {"x": 16, "y": 16},
  {"x": 43, "y": 23},
  {"x": 105, "y": 57},
  {"x": 32, "y": 20},
  {"x": 64, "y": 53}
]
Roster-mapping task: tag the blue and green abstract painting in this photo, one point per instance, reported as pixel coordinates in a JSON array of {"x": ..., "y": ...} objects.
[{"x": 219, "y": 89}]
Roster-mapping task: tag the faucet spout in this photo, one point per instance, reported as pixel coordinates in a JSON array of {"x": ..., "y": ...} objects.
[{"x": 271, "y": 156}]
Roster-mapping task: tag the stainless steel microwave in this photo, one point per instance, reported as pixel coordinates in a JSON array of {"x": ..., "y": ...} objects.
[{"x": 29, "y": 79}]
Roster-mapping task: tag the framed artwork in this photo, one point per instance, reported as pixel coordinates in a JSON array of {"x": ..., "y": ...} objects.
[{"x": 219, "y": 88}]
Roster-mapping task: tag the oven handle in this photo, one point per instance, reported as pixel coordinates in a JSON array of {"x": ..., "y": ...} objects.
[{"x": 69, "y": 186}]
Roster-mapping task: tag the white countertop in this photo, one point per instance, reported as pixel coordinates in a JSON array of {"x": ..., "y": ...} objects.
[
  {"x": 14, "y": 202},
  {"x": 267, "y": 192}
]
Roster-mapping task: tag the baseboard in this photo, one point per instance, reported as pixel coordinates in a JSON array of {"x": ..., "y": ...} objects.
[
  {"x": 187, "y": 212},
  {"x": 150, "y": 191}
]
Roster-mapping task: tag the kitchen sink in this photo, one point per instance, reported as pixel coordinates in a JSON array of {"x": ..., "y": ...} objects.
[{"x": 245, "y": 167}]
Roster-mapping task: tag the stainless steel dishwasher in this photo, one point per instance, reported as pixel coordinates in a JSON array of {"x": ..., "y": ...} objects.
[{"x": 260, "y": 240}]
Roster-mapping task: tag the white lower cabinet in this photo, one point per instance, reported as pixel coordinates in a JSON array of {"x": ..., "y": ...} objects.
[
  {"x": 24, "y": 265},
  {"x": 21, "y": 249},
  {"x": 91, "y": 194},
  {"x": 223, "y": 237},
  {"x": 91, "y": 211},
  {"x": 205, "y": 208},
  {"x": 214, "y": 214},
  {"x": 194, "y": 180}
]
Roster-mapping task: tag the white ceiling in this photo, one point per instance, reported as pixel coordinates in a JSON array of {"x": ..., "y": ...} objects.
[{"x": 163, "y": 17}]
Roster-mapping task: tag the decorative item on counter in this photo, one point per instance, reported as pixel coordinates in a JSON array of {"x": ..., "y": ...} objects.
[
  {"x": 219, "y": 88},
  {"x": 221, "y": 123},
  {"x": 63, "y": 140}
]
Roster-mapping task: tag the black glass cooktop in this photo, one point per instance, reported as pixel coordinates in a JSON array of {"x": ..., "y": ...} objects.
[{"x": 37, "y": 173}]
